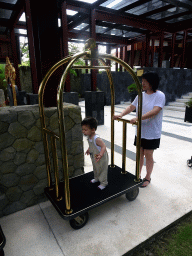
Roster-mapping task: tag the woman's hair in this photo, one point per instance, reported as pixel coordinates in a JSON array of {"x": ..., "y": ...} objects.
[
  {"x": 90, "y": 121},
  {"x": 153, "y": 79}
]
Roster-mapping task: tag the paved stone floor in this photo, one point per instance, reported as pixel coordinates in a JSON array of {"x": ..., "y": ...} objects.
[{"x": 118, "y": 226}]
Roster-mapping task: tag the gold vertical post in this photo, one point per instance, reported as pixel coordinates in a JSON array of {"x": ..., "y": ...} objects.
[
  {"x": 42, "y": 117},
  {"x": 112, "y": 111},
  {"x": 124, "y": 148},
  {"x": 62, "y": 132},
  {"x": 55, "y": 165}
]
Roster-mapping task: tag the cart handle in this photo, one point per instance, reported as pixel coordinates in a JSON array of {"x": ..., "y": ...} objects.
[{"x": 126, "y": 121}]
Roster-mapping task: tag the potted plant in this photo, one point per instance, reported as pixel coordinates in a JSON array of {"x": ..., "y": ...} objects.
[
  {"x": 132, "y": 89},
  {"x": 188, "y": 111}
]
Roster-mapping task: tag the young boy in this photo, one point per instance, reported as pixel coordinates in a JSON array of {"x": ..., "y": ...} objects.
[{"x": 97, "y": 152}]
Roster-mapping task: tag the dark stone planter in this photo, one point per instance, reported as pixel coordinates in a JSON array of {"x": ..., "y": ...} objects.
[
  {"x": 94, "y": 106},
  {"x": 188, "y": 115},
  {"x": 133, "y": 96},
  {"x": 2, "y": 242},
  {"x": 32, "y": 99},
  {"x": 71, "y": 97}
]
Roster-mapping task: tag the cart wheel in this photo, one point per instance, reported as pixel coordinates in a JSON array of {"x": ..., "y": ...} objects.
[
  {"x": 2, "y": 253},
  {"x": 189, "y": 163},
  {"x": 79, "y": 221},
  {"x": 132, "y": 194}
]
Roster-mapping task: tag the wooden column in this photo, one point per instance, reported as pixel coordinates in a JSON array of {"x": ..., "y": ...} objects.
[
  {"x": 184, "y": 49},
  {"x": 172, "y": 64},
  {"x": 93, "y": 35},
  {"x": 121, "y": 57},
  {"x": 143, "y": 54},
  {"x": 65, "y": 41},
  {"x": 46, "y": 45},
  {"x": 147, "y": 50},
  {"x": 108, "y": 50},
  {"x": 152, "y": 52},
  {"x": 33, "y": 64},
  {"x": 116, "y": 64},
  {"x": 15, "y": 58},
  {"x": 161, "y": 39},
  {"x": 125, "y": 58},
  {"x": 132, "y": 55}
]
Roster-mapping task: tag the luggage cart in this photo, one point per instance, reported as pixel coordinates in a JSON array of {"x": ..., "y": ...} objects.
[{"x": 74, "y": 197}]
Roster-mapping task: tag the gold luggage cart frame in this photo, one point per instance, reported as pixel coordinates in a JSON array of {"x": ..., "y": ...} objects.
[{"x": 73, "y": 197}]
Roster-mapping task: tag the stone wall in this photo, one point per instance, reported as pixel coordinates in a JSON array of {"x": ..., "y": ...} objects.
[
  {"x": 23, "y": 174},
  {"x": 173, "y": 82}
]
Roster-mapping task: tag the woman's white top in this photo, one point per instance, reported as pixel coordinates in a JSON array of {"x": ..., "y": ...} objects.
[{"x": 151, "y": 128}]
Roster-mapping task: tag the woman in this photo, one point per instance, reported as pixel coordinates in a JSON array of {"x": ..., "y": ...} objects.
[{"x": 152, "y": 114}]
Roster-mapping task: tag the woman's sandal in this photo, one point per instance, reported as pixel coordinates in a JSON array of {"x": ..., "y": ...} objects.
[{"x": 144, "y": 180}]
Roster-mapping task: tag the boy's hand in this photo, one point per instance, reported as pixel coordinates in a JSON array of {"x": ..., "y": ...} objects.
[
  {"x": 87, "y": 152},
  {"x": 98, "y": 157}
]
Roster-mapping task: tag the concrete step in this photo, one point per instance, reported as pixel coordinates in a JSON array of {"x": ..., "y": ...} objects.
[
  {"x": 182, "y": 100},
  {"x": 177, "y": 104},
  {"x": 181, "y": 109}
]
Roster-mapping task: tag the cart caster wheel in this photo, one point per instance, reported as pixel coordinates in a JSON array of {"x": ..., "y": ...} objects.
[
  {"x": 132, "y": 194},
  {"x": 79, "y": 221},
  {"x": 189, "y": 163},
  {"x": 2, "y": 253}
]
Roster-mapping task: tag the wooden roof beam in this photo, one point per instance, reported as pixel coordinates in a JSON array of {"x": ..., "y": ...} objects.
[{"x": 130, "y": 21}]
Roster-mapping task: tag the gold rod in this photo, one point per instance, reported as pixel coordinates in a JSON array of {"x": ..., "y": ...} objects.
[
  {"x": 91, "y": 67},
  {"x": 42, "y": 117},
  {"x": 51, "y": 133},
  {"x": 62, "y": 131},
  {"x": 124, "y": 148},
  {"x": 55, "y": 165},
  {"x": 112, "y": 111},
  {"x": 125, "y": 120}
]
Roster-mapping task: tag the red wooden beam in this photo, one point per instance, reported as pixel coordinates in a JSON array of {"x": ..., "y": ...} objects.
[
  {"x": 161, "y": 50},
  {"x": 116, "y": 64},
  {"x": 147, "y": 50},
  {"x": 132, "y": 55},
  {"x": 130, "y": 21},
  {"x": 173, "y": 50},
  {"x": 184, "y": 49}
]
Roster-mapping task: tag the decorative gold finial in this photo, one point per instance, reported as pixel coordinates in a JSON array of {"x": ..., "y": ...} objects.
[{"x": 10, "y": 76}]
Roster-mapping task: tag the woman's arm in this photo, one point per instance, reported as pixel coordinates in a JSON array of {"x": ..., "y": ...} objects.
[
  {"x": 148, "y": 115},
  {"x": 126, "y": 111}
]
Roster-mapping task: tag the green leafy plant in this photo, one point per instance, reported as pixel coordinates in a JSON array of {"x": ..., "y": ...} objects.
[
  {"x": 132, "y": 88},
  {"x": 189, "y": 103}
]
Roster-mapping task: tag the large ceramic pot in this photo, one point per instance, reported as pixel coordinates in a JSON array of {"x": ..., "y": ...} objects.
[{"x": 188, "y": 114}]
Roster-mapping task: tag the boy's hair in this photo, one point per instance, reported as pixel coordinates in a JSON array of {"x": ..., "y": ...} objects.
[
  {"x": 90, "y": 121},
  {"x": 153, "y": 79}
]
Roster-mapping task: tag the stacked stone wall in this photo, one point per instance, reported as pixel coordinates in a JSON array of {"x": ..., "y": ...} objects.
[{"x": 23, "y": 174}]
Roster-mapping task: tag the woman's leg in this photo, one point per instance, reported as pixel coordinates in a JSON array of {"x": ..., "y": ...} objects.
[{"x": 149, "y": 165}]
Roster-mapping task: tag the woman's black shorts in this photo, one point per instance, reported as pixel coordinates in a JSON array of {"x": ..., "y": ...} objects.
[{"x": 148, "y": 144}]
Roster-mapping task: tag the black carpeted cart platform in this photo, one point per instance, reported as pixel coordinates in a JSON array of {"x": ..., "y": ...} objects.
[{"x": 86, "y": 196}]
